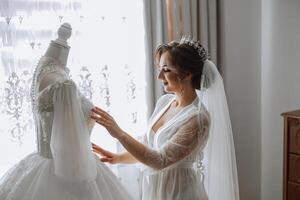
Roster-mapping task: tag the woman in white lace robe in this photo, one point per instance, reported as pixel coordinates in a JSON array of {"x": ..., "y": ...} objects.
[{"x": 177, "y": 131}]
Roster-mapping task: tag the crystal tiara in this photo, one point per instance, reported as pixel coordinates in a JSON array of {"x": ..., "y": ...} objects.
[{"x": 196, "y": 45}]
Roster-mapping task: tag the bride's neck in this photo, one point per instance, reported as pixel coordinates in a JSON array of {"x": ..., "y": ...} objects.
[{"x": 186, "y": 98}]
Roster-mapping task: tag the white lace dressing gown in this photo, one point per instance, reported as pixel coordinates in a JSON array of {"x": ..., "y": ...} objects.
[
  {"x": 60, "y": 111},
  {"x": 171, "y": 172}
]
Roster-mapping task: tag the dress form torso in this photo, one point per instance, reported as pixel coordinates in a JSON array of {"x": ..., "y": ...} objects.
[{"x": 58, "y": 51}]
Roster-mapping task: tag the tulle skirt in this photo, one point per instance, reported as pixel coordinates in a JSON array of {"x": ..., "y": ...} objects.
[{"x": 33, "y": 178}]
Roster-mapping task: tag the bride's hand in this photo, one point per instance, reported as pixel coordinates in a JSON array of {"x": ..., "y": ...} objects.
[
  {"x": 106, "y": 156},
  {"x": 104, "y": 119}
]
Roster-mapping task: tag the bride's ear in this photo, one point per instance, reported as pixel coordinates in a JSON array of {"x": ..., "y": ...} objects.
[{"x": 187, "y": 76}]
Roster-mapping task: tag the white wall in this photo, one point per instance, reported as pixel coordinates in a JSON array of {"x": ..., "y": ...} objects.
[
  {"x": 260, "y": 58},
  {"x": 280, "y": 85},
  {"x": 241, "y": 64}
]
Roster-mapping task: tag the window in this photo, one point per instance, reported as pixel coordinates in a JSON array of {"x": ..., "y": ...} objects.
[{"x": 107, "y": 60}]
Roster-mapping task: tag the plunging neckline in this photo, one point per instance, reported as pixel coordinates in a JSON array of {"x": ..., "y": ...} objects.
[
  {"x": 163, "y": 111},
  {"x": 160, "y": 114}
]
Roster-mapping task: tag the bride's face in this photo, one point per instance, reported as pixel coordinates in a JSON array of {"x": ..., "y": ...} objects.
[{"x": 168, "y": 74}]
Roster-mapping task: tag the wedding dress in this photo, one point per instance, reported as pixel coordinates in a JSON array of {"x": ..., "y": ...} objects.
[{"x": 63, "y": 168}]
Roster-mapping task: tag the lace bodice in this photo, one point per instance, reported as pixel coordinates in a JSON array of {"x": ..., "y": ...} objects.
[{"x": 50, "y": 79}]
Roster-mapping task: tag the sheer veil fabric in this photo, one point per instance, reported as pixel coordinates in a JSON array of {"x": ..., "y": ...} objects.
[{"x": 220, "y": 171}]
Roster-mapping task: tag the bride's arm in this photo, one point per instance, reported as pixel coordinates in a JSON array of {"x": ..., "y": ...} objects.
[
  {"x": 113, "y": 158},
  {"x": 187, "y": 138},
  {"x": 127, "y": 158}
]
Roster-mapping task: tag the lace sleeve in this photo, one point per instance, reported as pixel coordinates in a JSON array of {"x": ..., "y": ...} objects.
[{"x": 186, "y": 139}]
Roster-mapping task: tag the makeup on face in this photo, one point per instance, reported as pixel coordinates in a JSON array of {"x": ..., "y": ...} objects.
[
  {"x": 166, "y": 69},
  {"x": 168, "y": 74},
  {"x": 169, "y": 78}
]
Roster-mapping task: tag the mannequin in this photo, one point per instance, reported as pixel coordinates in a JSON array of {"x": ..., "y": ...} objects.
[
  {"x": 59, "y": 48},
  {"x": 63, "y": 167},
  {"x": 58, "y": 52}
]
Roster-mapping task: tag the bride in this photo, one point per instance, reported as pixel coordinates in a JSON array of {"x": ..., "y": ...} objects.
[
  {"x": 64, "y": 167},
  {"x": 187, "y": 151}
]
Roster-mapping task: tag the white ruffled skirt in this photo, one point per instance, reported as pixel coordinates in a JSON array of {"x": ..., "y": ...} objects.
[{"x": 33, "y": 178}]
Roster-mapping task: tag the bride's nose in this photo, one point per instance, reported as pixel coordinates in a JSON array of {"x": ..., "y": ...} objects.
[{"x": 160, "y": 75}]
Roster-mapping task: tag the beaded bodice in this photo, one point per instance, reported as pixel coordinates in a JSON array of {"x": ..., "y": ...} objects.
[
  {"x": 45, "y": 66},
  {"x": 42, "y": 100}
]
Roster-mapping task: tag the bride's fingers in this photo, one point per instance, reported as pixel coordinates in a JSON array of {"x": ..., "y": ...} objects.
[
  {"x": 97, "y": 152},
  {"x": 105, "y": 159},
  {"x": 96, "y": 146},
  {"x": 101, "y": 112},
  {"x": 99, "y": 118},
  {"x": 96, "y": 111},
  {"x": 101, "y": 151},
  {"x": 103, "y": 121},
  {"x": 99, "y": 109},
  {"x": 110, "y": 160},
  {"x": 95, "y": 116}
]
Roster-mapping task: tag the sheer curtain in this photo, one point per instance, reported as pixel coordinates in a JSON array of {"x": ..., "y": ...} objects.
[{"x": 107, "y": 60}]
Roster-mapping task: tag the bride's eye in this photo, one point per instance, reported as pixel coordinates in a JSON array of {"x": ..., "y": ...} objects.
[{"x": 164, "y": 69}]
